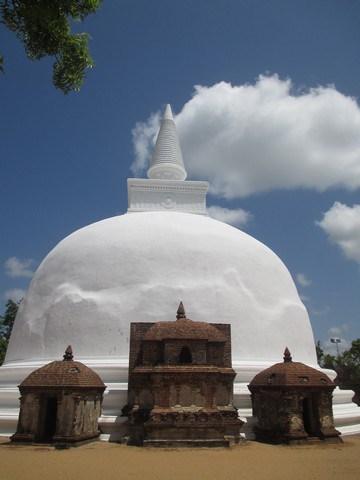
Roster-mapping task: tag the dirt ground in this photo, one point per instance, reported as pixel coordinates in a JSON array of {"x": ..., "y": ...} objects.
[{"x": 253, "y": 461}]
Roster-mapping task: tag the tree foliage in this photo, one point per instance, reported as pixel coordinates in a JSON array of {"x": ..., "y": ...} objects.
[
  {"x": 319, "y": 352},
  {"x": 3, "y": 348},
  {"x": 44, "y": 27},
  {"x": 7, "y": 323},
  {"x": 346, "y": 365},
  {"x": 11, "y": 309}
]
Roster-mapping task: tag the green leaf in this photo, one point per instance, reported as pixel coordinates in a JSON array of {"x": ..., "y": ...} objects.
[{"x": 43, "y": 27}]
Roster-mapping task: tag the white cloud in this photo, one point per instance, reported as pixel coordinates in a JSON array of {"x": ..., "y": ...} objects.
[
  {"x": 337, "y": 331},
  {"x": 319, "y": 312},
  {"x": 15, "y": 294},
  {"x": 302, "y": 280},
  {"x": 237, "y": 216},
  {"x": 342, "y": 225},
  {"x": 259, "y": 137},
  {"x": 14, "y": 267},
  {"x": 144, "y": 136}
]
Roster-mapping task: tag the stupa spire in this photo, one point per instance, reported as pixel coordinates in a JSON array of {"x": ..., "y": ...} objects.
[
  {"x": 168, "y": 115},
  {"x": 167, "y": 162}
]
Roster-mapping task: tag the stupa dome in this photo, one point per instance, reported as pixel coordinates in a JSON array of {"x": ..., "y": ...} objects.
[{"x": 122, "y": 269}]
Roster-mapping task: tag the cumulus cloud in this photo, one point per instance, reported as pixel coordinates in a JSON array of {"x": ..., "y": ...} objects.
[
  {"x": 14, "y": 267},
  {"x": 144, "y": 136},
  {"x": 236, "y": 216},
  {"x": 342, "y": 225},
  {"x": 302, "y": 280},
  {"x": 14, "y": 294},
  {"x": 258, "y": 137}
]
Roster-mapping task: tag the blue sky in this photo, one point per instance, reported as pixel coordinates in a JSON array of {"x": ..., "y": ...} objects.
[{"x": 65, "y": 159}]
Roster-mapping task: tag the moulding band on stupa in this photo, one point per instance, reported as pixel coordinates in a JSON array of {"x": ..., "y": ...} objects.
[{"x": 145, "y": 195}]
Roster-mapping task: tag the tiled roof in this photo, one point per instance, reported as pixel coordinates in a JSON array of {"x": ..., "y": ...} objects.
[
  {"x": 290, "y": 373},
  {"x": 184, "y": 328},
  {"x": 65, "y": 373}
]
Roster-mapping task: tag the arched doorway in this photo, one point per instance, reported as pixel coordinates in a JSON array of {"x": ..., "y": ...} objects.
[{"x": 185, "y": 355}]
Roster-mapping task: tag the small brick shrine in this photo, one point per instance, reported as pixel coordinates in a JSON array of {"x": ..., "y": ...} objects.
[
  {"x": 293, "y": 403},
  {"x": 180, "y": 389},
  {"x": 60, "y": 403}
]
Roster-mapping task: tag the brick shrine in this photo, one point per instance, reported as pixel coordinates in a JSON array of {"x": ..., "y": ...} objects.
[
  {"x": 60, "y": 403},
  {"x": 180, "y": 390},
  {"x": 292, "y": 403}
]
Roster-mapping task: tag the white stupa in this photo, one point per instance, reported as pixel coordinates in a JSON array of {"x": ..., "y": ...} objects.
[{"x": 136, "y": 268}]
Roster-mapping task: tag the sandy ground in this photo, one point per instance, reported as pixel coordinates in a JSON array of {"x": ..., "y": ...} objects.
[{"x": 253, "y": 461}]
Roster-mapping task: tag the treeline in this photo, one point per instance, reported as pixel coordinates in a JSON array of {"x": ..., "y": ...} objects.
[{"x": 346, "y": 365}]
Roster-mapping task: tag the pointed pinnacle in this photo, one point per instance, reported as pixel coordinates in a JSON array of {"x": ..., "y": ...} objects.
[
  {"x": 168, "y": 115},
  {"x": 180, "y": 311},
  {"x": 287, "y": 355},
  {"x": 68, "y": 353},
  {"x": 166, "y": 162}
]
